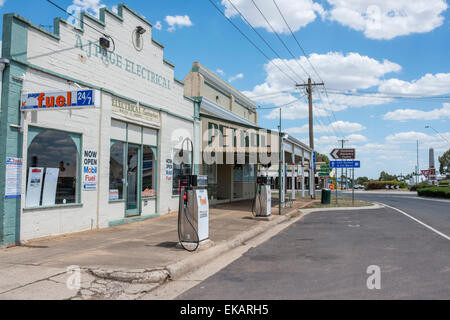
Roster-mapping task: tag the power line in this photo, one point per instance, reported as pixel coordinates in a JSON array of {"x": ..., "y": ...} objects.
[
  {"x": 249, "y": 40},
  {"x": 387, "y": 96},
  {"x": 282, "y": 106},
  {"x": 306, "y": 56},
  {"x": 262, "y": 38},
  {"x": 298, "y": 43},
  {"x": 279, "y": 38}
]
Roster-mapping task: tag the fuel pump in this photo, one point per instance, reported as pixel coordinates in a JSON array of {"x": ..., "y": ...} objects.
[
  {"x": 193, "y": 210},
  {"x": 263, "y": 199}
]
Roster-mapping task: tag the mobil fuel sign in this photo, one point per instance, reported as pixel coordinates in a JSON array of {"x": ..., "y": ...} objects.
[
  {"x": 90, "y": 170},
  {"x": 59, "y": 100}
]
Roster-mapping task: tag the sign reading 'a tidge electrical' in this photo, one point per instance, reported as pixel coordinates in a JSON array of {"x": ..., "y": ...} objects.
[{"x": 58, "y": 100}]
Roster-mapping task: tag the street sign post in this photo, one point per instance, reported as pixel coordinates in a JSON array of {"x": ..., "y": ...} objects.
[
  {"x": 345, "y": 164},
  {"x": 343, "y": 153}
]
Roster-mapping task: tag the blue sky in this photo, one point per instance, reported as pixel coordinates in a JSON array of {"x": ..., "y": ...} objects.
[{"x": 366, "y": 52}]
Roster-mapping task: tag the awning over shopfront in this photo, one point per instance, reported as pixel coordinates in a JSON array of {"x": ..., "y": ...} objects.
[{"x": 224, "y": 131}]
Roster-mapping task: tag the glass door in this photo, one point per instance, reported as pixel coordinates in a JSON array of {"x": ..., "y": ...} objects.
[{"x": 133, "y": 165}]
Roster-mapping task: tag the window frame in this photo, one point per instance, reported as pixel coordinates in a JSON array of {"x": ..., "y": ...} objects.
[
  {"x": 112, "y": 141},
  {"x": 154, "y": 172},
  {"x": 77, "y": 138},
  {"x": 155, "y": 150}
]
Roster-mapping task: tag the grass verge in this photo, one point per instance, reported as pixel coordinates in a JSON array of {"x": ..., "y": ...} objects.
[{"x": 342, "y": 202}]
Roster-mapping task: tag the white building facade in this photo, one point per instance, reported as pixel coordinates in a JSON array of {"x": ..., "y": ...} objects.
[{"x": 130, "y": 137}]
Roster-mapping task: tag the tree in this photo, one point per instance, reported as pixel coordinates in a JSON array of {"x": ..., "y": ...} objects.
[
  {"x": 444, "y": 164},
  {"x": 362, "y": 180},
  {"x": 384, "y": 176},
  {"x": 323, "y": 158}
]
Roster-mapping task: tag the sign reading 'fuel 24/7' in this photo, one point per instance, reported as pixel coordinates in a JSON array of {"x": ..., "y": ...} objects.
[{"x": 58, "y": 100}]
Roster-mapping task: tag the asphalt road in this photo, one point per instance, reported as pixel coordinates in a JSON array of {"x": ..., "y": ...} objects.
[{"x": 326, "y": 256}]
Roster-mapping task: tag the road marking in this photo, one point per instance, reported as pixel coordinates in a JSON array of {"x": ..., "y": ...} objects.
[
  {"x": 422, "y": 198},
  {"x": 417, "y": 220}
]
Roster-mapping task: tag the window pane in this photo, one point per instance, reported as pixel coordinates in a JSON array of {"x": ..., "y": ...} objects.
[
  {"x": 116, "y": 163},
  {"x": 56, "y": 155},
  {"x": 147, "y": 173}
]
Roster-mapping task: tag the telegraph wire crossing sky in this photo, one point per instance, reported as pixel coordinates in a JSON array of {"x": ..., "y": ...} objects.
[{"x": 384, "y": 65}]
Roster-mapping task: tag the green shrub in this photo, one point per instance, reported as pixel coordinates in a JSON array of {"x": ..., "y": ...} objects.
[
  {"x": 419, "y": 186},
  {"x": 444, "y": 183},
  {"x": 439, "y": 192},
  {"x": 376, "y": 185}
]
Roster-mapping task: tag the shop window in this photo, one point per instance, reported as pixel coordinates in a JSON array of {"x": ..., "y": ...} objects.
[
  {"x": 244, "y": 173},
  {"x": 147, "y": 173},
  {"x": 116, "y": 170},
  {"x": 210, "y": 170},
  {"x": 181, "y": 166},
  {"x": 52, "y": 168}
]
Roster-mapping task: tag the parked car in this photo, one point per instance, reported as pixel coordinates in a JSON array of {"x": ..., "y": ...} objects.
[{"x": 358, "y": 186}]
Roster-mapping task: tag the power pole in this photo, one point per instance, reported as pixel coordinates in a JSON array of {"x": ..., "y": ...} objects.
[
  {"x": 342, "y": 169},
  {"x": 309, "y": 86},
  {"x": 280, "y": 163}
]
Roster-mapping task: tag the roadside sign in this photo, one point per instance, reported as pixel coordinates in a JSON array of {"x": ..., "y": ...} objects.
[
  {"x": 314, "y": 161},
  {"x": 426, "y": 173},
  {"x": 324, "y": 174},
  {"x": 343, "y": 153},
  {"x": 83, "y": 98},
  {"x": 345, "y": 164}
]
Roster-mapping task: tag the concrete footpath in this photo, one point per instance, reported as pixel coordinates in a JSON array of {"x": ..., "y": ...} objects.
[{"x": 124, "y": 262}]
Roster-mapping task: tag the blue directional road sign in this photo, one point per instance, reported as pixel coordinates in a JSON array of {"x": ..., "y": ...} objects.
[{"x": 345, "y": 164}]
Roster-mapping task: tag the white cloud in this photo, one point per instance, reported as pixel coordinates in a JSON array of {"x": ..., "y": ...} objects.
[
  {"x": 178, "y": 22},
  {"x": 90, "y": 6},
  {"x": 158, "y": 25},
  {"x": 298, "y": 13},
  {"x": 236, "y": 77},
  {"x": 341, "y": 126},
  {"x": 2, "y": 2},
  {"x": 387, "y": 19},
  {"x": 356, "y": 138},
  {"x": 397, "y": 142},
  {"x": 427, "y": 85},
  {"x": 341, "y": 72},
  {"x": 358, "y": 100},
  {"x": 349, "y": 72},
  {"x": 220, "y": 71},
  {"x": 408, "y": 137},
  {"x": 411, "y": 114},
  {"x": 333, "y": 140}
]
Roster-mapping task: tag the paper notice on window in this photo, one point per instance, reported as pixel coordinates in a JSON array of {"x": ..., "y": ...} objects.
[
  {"x": 13, "y": 179},
  {"x": 50, "y": 184},
  {"x": 34, "y": 187}
]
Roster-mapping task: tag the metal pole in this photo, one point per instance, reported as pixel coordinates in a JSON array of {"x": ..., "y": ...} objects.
[
  {"x": 279, "y": 169},
  {"x": 353, "y": 187},
  {"x": 417, "y": 167},
  {"x": 336, "y": 185}
]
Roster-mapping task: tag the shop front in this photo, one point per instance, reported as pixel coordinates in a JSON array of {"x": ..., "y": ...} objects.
[
  {"x": 233, "y": 152},
  {"x": 89, "y": 133}
]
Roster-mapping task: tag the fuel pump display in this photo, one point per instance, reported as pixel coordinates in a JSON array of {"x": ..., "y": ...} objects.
[
  {"x": 263, "y": 198},
  {"x": 193, "y": 211}
]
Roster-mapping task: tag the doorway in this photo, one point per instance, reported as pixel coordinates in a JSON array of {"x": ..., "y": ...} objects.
[{"x": 133, "y": 165}]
